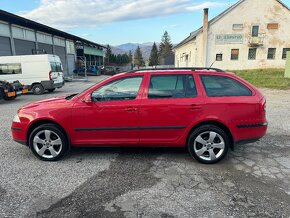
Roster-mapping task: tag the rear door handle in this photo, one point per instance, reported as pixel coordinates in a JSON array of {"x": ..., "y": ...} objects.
[
  {"x": 130, "y": 109},
  {"x": 195, "y": 107}
]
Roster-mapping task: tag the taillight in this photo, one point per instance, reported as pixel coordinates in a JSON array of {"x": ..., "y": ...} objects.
[
  {"x": 50, "y": 72},
  {"x": 263, "y": 105}
]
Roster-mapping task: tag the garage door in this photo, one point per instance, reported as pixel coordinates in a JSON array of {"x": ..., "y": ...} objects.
[
  {"x": 61, "y": 52},
  {"x": 5, "y": 47},
  {"x": 23, "y": 47},
  {"x": 46, "y": 47},
  {"x": 70, "y": 64}
]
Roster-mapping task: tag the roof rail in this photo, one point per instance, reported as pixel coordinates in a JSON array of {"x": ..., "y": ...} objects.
[{"x": 178, "y": 68}]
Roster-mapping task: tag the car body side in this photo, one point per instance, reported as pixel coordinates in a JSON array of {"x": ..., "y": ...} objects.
[{"x": 241, "y": 117}]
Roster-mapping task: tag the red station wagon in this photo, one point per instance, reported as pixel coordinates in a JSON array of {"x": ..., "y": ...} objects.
[{"x": 204, "y": 109}]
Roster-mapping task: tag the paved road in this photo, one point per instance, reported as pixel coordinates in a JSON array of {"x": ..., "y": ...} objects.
[{"x": 253, "y": 181}]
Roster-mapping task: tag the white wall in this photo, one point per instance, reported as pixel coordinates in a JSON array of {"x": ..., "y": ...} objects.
[{"x": 248, "y": 13}]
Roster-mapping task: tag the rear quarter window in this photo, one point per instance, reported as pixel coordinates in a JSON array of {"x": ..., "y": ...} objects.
[{"x": 220, "y": 86}]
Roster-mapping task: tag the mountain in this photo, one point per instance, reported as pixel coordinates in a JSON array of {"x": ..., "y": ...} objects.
[{"x": 125, "y": 48}]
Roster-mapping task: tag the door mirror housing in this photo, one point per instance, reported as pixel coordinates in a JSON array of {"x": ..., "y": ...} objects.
[{"x": 88, "y": 98}]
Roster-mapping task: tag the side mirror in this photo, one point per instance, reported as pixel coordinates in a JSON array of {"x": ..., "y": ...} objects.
[{"x": 88, "y": 99}]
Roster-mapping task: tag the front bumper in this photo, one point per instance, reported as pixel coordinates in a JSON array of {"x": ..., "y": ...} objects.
[{"x": 50, "y": 84}]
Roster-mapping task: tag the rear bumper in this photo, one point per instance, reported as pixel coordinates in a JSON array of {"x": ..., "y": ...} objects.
[
  {"x": 50, "y": 84},
  {"x": 250, "y": 133}
]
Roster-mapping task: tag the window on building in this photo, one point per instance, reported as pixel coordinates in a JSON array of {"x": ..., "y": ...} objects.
[
  {"x": 252, "y": 54},
  {"x": 235, "y": 54},
  {"x": 238, "y": 26},
  {"x": 219, "y": 57},
  {"x": 255, "y": 30},
  {"x": 172, "y": 86},
  {"x": 10, "y": 69},
  {"x": 272, "y": 26},
  {"x": 284, "y": 55},
  {"x": 219, "y": 86},
  {"x": 271, "y": 53}
]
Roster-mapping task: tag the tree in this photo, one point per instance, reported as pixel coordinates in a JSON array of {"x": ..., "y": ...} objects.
[
  {"x": 138, "y": 59},
  {"x": 108, "y": 54},
  {"x": 131, "y": 59},
  {"x": 165, "y": 48},
  {"x": 153, "y": 59}
]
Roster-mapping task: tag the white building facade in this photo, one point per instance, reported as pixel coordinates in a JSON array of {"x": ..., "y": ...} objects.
[{"x": 251, "y": 34}]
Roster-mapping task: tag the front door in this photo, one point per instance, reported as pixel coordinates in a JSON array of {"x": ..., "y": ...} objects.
[{"x": 112, "y": 116}]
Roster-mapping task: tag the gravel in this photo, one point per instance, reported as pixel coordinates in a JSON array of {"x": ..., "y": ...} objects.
[{"x": 253, "y": 181}]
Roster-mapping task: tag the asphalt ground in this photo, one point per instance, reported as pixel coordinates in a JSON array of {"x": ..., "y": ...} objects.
[{"x": 252, "y": 181}]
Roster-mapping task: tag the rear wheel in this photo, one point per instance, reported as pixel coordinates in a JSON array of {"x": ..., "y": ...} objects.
[
  {"x": 48, "y": 142},
  {"x": 208, "y": 144},
  {"x": 37, "y": 89}
]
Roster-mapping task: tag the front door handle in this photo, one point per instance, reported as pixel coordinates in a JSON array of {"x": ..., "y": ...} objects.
[{"x": 130, "y": 109}]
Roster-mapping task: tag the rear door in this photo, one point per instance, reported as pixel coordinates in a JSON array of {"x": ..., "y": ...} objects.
[{"x": 170, "y": 104}]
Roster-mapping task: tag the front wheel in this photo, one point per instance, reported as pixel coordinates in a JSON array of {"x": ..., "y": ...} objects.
[
  {"x": 37, "y": 89},
  {"x": 208, "y": 144},
  {"x": 48, "y": 142}
]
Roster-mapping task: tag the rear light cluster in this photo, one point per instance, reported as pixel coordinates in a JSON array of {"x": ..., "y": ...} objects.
[
  {"x": 50, "y": 74},
  {"x": 263, "y": 106}
]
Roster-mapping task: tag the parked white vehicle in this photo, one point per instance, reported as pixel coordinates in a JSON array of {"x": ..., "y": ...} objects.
[{"x": 37, "y": 72}]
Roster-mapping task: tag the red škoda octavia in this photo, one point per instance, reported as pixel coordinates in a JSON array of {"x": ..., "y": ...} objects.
[{"x": 205, "y": 109}]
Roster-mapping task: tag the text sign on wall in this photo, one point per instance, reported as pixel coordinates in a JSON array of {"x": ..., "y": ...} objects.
[{"x": 229, "y": 39}]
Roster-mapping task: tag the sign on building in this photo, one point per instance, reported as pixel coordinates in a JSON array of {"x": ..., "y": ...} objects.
[{"x": 221, "y": 39}]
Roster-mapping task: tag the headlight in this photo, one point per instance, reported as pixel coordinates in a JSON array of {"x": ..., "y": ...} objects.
[{"x": 16, "y": 119}]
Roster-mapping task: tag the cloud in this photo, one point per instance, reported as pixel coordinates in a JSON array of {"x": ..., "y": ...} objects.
[{"x": 66, "y": 14}]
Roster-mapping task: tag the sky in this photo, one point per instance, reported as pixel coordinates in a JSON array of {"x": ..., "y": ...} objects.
[{"x": 117, "y": 22}]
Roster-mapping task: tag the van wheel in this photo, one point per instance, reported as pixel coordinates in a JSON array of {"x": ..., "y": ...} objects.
[
  {"x": 9, "y": 98},
  {"x": 50, "y": 90},
  {"x": 37, "y": 89},
  {"x": 208, "y": 144},
  {"x": 48, "y": 142}
]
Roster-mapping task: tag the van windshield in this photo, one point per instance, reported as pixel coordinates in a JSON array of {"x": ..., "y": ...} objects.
[{"x": 56, "y": 67}]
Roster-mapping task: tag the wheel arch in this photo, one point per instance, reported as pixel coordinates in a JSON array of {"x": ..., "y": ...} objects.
[
  {"x": 215, "y": 123},
  {"x": 46, "y": 121}
]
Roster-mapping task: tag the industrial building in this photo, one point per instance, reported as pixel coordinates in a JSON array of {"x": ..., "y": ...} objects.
[
  {"x": 20, "y": 36},
  {"x": 250, "y": 34}
]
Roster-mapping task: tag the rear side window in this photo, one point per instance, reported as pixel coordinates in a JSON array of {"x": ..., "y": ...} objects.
[
  {"x": 219, "y": 86},
  {"x": 10, "y": 69},
  {"x": 172, "y": 86}
]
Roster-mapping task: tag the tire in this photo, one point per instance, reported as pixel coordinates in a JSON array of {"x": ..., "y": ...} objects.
[
  {"x": 50, "y": 90},
  {"x": 48, "y": 142},
  {"x": 208, "y": 144},
  {"x": 37, "y": 89},
  {"x": 9, "y": 98}
]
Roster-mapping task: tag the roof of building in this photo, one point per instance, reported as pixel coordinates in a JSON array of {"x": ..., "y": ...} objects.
[
  {"x": 21, "y": 21},
  {"x": 212, "y": 21}
]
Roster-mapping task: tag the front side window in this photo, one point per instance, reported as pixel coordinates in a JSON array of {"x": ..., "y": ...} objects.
[
  {"x": 10, "y": 69},
  {"x": 172, "y": 86},
  {"x": 235, "y": 54},
  {"x": 271, "y": 53},
  {"x": 120, "y": 89},
  {"x": 222, "y": 86}
]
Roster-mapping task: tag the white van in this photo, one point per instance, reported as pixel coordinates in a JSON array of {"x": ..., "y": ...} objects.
[{"x": 37, "y": 72}]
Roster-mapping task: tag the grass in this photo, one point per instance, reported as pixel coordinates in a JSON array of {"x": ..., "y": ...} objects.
[{"x": 265, "y": 78}]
